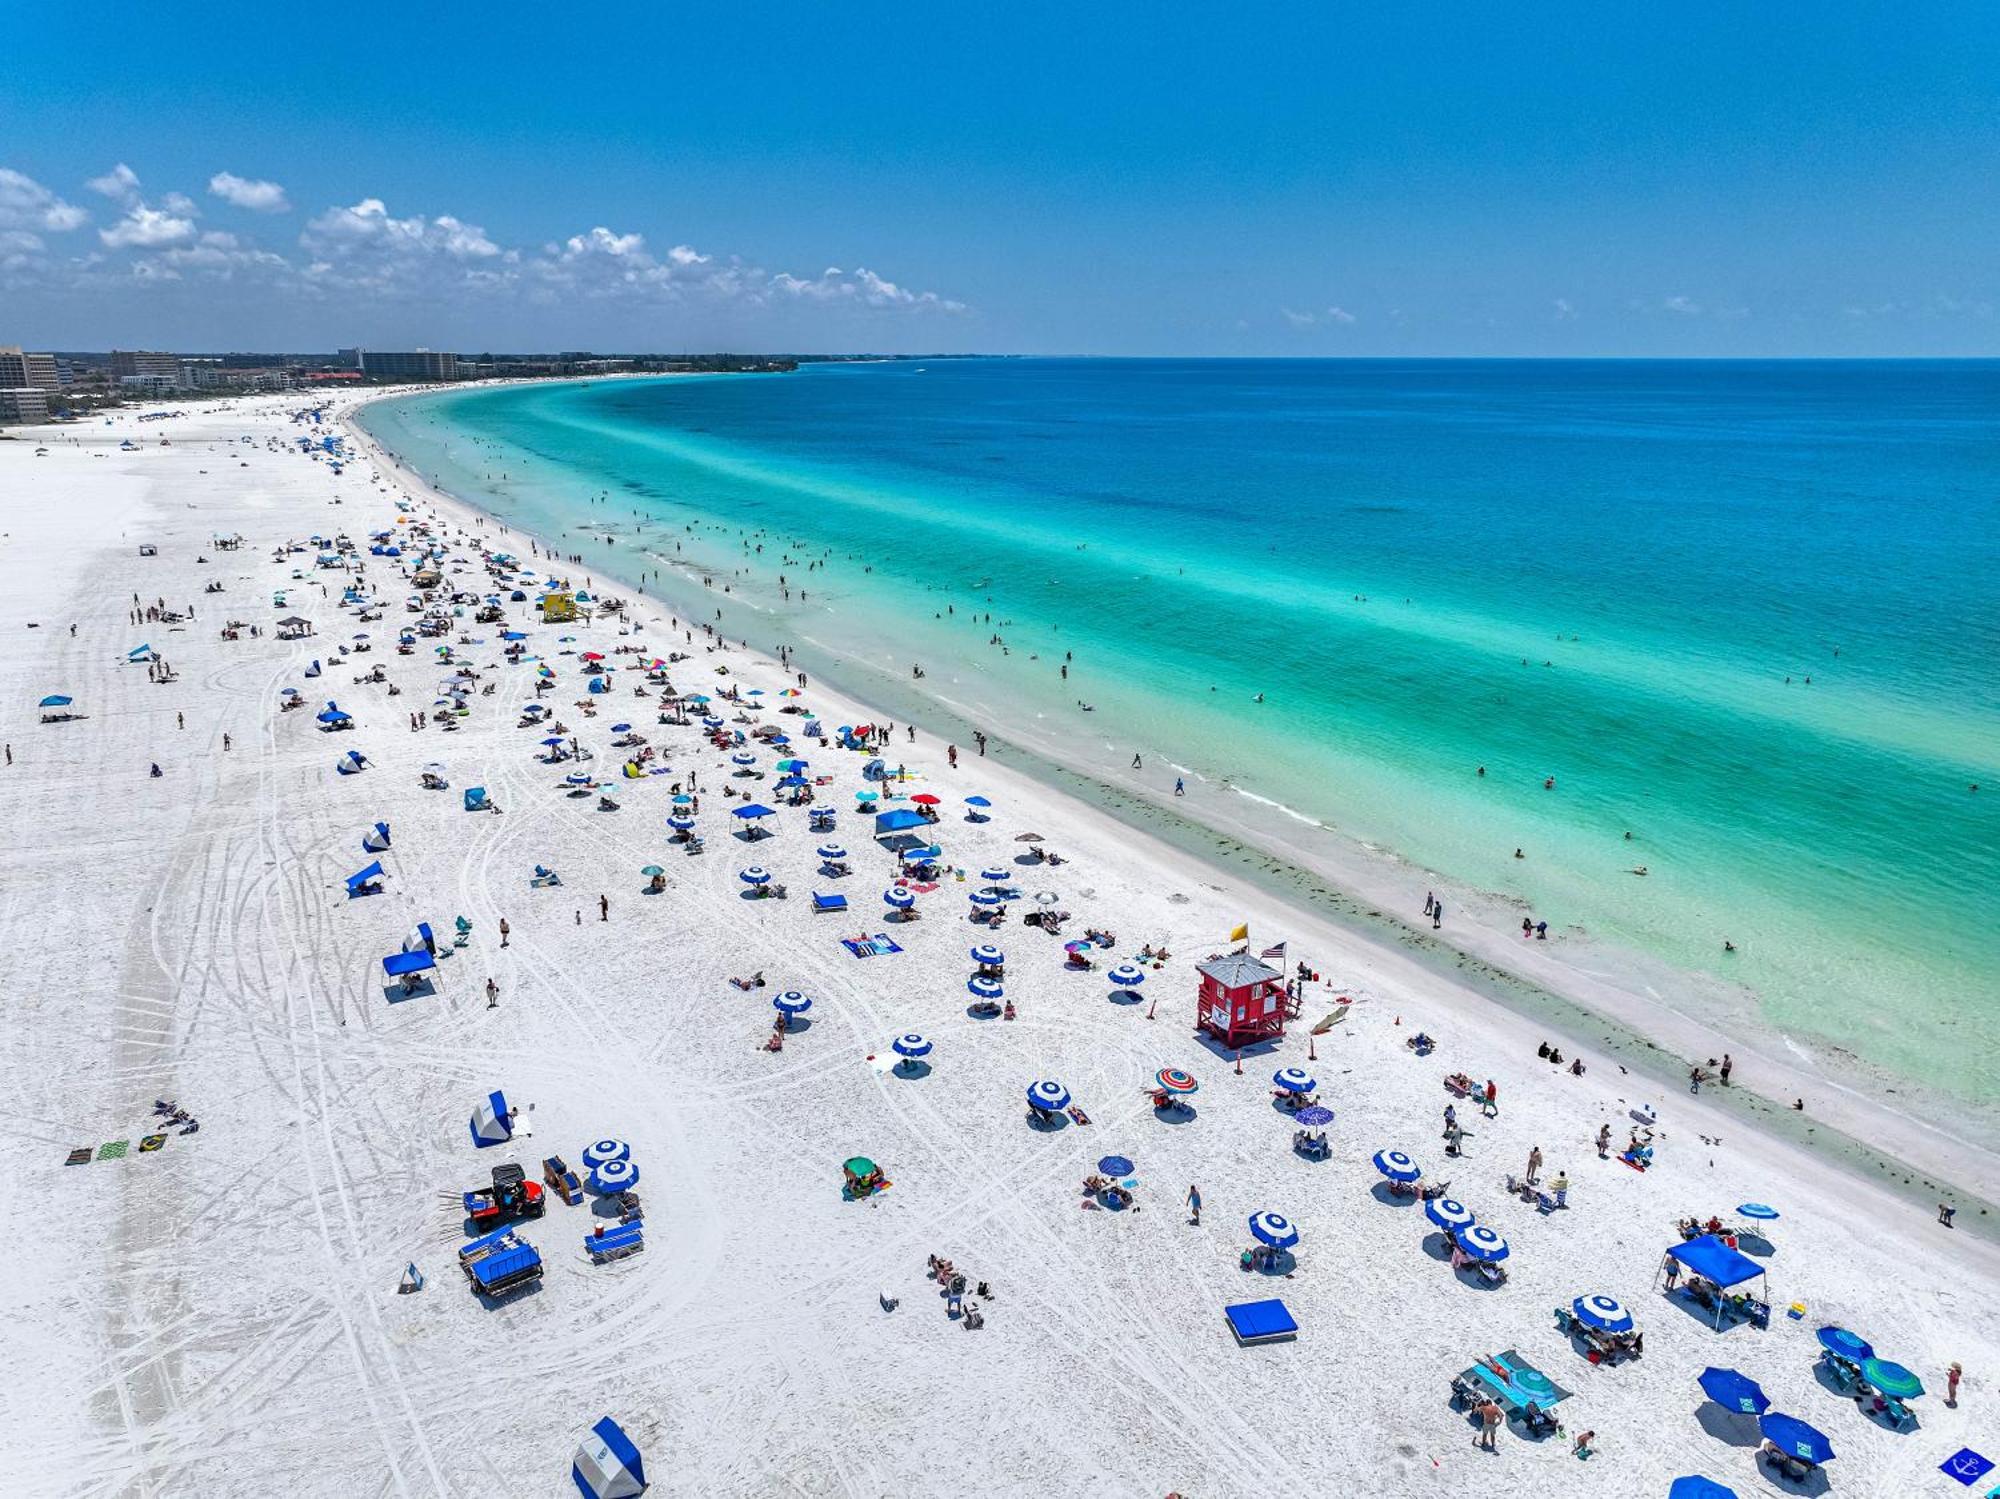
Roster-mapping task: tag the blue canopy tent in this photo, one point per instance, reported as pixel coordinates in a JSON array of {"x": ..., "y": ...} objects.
[
  {"x": 406, "y": 965},
  {"x": 901, "y": 820},
  {"x": 608, "y": 1465},
  {"x": 1708, "y": 1258},
  {"x": 364, "y": 881},
  {"x": 490, "y": 1125},
  {"x": 755, "y": 809}
]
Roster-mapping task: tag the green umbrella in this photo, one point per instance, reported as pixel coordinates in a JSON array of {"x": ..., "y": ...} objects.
[
  {"x": 1891, "y": 1379},
  {"x": 651, "y": 870},
  {"x": 859, "y": 1166}
]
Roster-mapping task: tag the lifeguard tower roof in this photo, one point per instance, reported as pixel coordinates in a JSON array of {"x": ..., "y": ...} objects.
[{"x": 1238, "y": 970}]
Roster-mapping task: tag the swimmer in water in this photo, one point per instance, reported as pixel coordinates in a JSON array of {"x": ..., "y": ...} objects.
[
  {"x": 1727, "y": 945},
  {"x": 1640, "y": 869}
]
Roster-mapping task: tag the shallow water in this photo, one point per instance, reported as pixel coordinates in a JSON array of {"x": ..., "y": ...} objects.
[{"x": 1602, "y": 573}]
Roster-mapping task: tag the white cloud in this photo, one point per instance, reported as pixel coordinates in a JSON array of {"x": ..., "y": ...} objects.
[
  {"x": 1682, "y": 306},
  {"x": 1565, "y": 312},
  {"x": 1333, "y": 317},
  {"x": 26, "y": 205},
  {"x": 1339, "y": 315},
  {"x": 147, "y": 228},
  {"x": 1299, "y": 319},
  {"x": 252, "y": 193},
  {"x": 369, "y": 226},
  {"x": 181, "y": 204},
  {"x": 120, "y": 184}
]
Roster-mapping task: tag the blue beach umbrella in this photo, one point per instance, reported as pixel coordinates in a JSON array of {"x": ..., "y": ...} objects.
[
  {"x": 1734, "y": 1391},
  {"x": 1798, "y": 1438},
  {"x": 682, "y": 799},
  {"x": 986, "y": 898},
  {"x": 598, "y": 1152},
  {"x": 621, "y": 728},
  {"x": 995, "y": 876},
  {"x": 1315, "y": 1116},
  {"x": 756, "y": 874},
  {"x": 984, "y": 988},
  {"x": 1757, "y": 1210},
  {"x": 1396, "y": 1166},
  {"x": 1273, "y": 1229},
  {"x": 986, "y": 955},
  {"x": 55, "y": 700},
  {"x": 742, "y": 759},
  {"x": 1115, "y": 1165},
  {"x": 898, "y": 897},
  {"x": 791, "y": 1002},
  {"x": 1448, "y": 1214},
  {"x": 1838, "y": 1340},
  {"x": 681, "y": 824},
  {"x": 1602, "y": 1312},
  {"x": 1048, "y": 1095},
  {"x": 911, "y": 1046},
  {"x": 1892, "y": 1380},
  {"x": 1294, "y": 1080},
  {"x": 614, "y": 1177},
  {"x": 977, "y": 801},
  {"x": 1127, "y": 975},
  {"x": 831, "y": 851},
  {"x": 1694, "y": 1486},
  {"x": 1483, "y": 1244}
]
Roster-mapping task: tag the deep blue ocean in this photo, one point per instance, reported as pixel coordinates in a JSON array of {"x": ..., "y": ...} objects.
[{"x": 1745, "y": 612}]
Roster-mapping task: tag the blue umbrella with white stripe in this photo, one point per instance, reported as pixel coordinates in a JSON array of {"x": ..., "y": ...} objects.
[
  {"x": 1274, "y": 1229},
  {"x": 598, "y": 1152},
  {"x": 791, "y": 1002},
  {"x": 1604, "y": 1313},
  {"x": 1483, "y": 1244},
  {"x": 1048, "y": 1095},
  {"x": 911, "y": 1046},
  {"x": 899, "y": 898},
  {"x": 681, "y": 824},
  {"x": 1762, "y": 1212},
  {"x": 756, "y": 874},
  {"x": 986, "y": 955},
  {"x": 833, "y": 853},
  {"x": 743, "y": 759},
  {"x": 1294, "y": 1080},
  {"x": 984, "y": 988},
  {"x": 1397, "y": 1166},
  {"x": 1127, "y": 975},
  {"x": 614, "y": 1177},
  {"x": 987, "y": 898},
  {"x": 995, "y": 876},
  {"x": 1448, "y": 1214}
]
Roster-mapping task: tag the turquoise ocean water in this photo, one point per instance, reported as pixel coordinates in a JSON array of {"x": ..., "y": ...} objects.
[{"x": 1744, "y": 611}]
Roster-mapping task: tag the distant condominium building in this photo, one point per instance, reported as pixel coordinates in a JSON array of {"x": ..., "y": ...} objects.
[
  {"x": 128, "y": 362},
  {"x": 415, "y": 364},
  {"x": 23, "y": 406},
  {"x": 43, "y": 371}
]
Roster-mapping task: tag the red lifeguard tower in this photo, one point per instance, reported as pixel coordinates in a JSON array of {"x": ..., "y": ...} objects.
[{"x": 1242, "y": 1001}]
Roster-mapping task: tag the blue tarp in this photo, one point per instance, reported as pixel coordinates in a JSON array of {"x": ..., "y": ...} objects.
[
  {"x": 363, "y": 876},
  {"x": 402, "y": 964},
  {"x": 1261, "y": 1321},
  {"x": 1714, "y": 1260},
  {"x": 898, "y": 820}
]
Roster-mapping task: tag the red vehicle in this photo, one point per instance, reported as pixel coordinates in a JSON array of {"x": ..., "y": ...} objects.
[{"x": 511, "y": 1196}]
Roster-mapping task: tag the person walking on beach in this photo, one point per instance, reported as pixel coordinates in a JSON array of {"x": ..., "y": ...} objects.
[
  {"x": 1604, "y": 1142},
  {"x": 1559, "y": 1189},
  {"x": 1946, "y": 1212},
  {"x": 1437, "y": 915},
  {"x": 603, "y": 908},
  {"x": 1534, "y": 1163},
  {"x": 504, "y": 930},
  {"x": 1694, "y": 1078},
  {"x": 1727, "y": 1066},
  {"x": 1489, "y": 1101},
  {"x": 951, "y": 756},
  {"x": 1450, "y": 1116},
  {"x": 1137, "y": 763},
  {"x": 492, "y": 994},
  {"x": 1951, "y": 1379},
  {"x": 1430, "y": 900},
  {"x": 1194, "y": 1206},
  {"x": 1489, "y": 1425},
  {"x": 1180, "y": 786}
]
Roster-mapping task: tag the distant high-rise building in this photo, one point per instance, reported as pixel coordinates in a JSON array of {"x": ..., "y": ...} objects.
[
  {"x": 19, "y": 369},
  {"x": 127, "y": 362},
  {"x": 23, "y": 406},
  {"x": 348, "y": 358},
  {"x": 416, "y": 364}
]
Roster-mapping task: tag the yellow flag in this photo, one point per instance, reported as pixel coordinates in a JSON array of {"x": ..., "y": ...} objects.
[{"x": 1241, "y": 934}]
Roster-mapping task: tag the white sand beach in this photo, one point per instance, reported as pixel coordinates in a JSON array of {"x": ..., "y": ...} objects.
[{"x": 220, "y": 1316}]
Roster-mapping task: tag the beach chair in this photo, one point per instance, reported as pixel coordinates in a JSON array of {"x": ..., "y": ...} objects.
[{"x": 822, "y": 901}]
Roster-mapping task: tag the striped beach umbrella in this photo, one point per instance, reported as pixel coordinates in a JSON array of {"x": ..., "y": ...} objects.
[
  {"x": 743, "y": 759},
  {"x": 986, "y": 898},
  {"x": 1294, "y": 1080},
  {"x": 1274, "y": 1229},
  {"x": 613, "y": 1177},
  {"x": 1127, "y": 975},
  {"x": 791, "y": 1002},
  {"x": 1447, "y": 1214},
  {"x": 1483, "y": 1244},
  {"x": 995, "y": 876},
  {"x": 1175, "y": 1080},
  {"x": 1892, "y": 1380},
  {"x": 681, "y": 824},
  {"x": 756, "y": 874},
  {"x": 1605, "y": 1313},
  {"x": 598, "y": 1152},
  {"x": 1048, "y": 1094},
  {"x": 911, "y": 1046},
  {"x": 1396, "y": 1166},
  {"x": 1844, "y": 1344},
  {"x": 984, "y": 988},
  {"x": 1762, "y": 1212},
  {"x": 986, "y": 955},
  {"x": 899, "y": 898},
  {"x": 831, "y": 852}
]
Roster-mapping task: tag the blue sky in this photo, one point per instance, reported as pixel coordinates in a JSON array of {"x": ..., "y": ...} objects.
[{"x": 1364, "y": 179}]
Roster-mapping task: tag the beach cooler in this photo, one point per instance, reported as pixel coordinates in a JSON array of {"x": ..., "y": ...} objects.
[
  {"x": 561, "y": 1180},
  {"x": 1268, "y": 1321}
]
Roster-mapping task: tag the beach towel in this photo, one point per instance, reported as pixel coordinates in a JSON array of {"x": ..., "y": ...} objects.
[{"x": 870, "y": 947}]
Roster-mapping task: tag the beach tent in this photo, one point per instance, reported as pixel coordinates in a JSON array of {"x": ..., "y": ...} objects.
[
  {"x": 403, "y": 964},
  {"x": 421, "y": 938},
  {"x": 475, "y": 799},
  {"x": 375, "y": 839},
  {"x": 351, "y": 763},
  {"x": 1715, "y": 1261},
  {"x": 1694, "y": 1486},
  {"x": 361, "y": 879},
  {"x": 139, "y": 653},
  {"x": 607, "y": 1465},
  {"x": 898, "y": 821},
  {"x": 490, "y": 1125}
]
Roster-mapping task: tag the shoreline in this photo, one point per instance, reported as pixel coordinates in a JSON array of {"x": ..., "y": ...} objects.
[{"x": 1916, "y": 1159}]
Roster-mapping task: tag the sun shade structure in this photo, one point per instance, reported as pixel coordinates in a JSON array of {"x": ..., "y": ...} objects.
[
  {"x": 1796, "y": 1438},
  {"x": 1396, "y": 1166},
  {"x": 1715, "y": 1261},
  {"x": 1448, "y": 1214},
  {"x": 1048, "y": 1095},
  {"x": 490, "y": 1125},
  {"x": 1604, "y": 1313},
  {"x": 1294, "y": 1080},
  {"x": 1694, "y": 1486},
  {"x": 1483, "y": 1244},
  {"x": 1274, "y": 1229},
  {"x": 614, "y": 1177},
  {"x": 911, "y": 1046},
  {"x": 598, "y": 1152},
  {"x": 1734, "y": 1391}
]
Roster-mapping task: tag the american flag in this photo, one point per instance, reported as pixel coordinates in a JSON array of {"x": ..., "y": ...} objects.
[{"x": 1274, "y": 954}]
